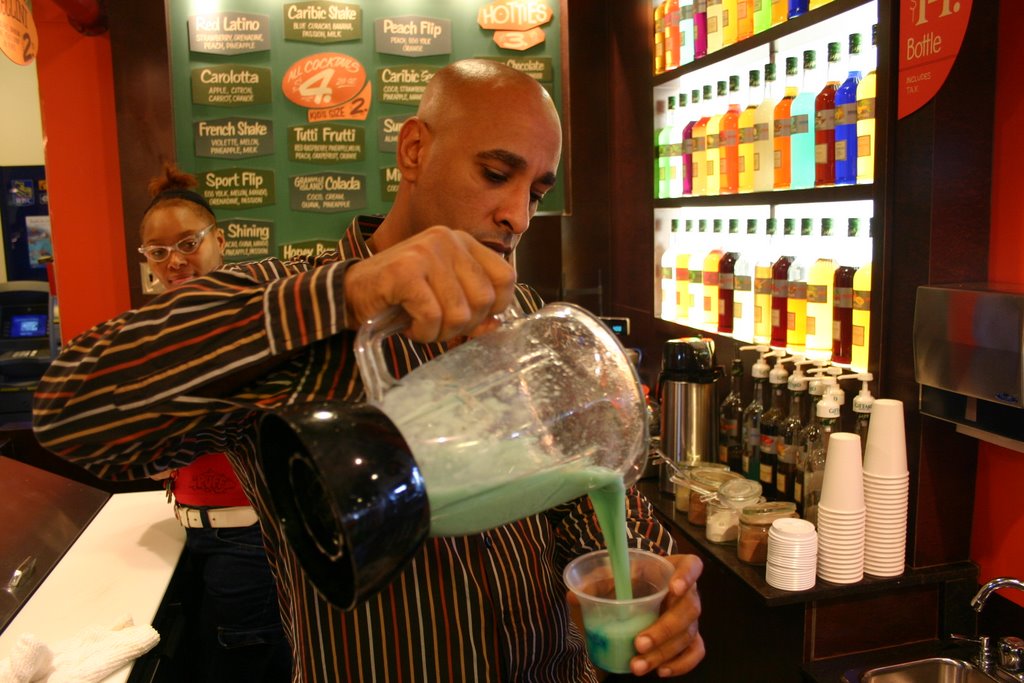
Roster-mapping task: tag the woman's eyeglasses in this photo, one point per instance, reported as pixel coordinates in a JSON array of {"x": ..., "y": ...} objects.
[{"x": 189, "y": 245}]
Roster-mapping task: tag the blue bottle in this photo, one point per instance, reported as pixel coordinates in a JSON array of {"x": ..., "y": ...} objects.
[
  {"x": 798, "y": 7},
  {"x": 846, "y": 119}
]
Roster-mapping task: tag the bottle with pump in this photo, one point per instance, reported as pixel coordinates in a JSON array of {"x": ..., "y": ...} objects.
[
  {"x": 820, "y": 283},
  {"x": 710, "y": 275},
  {"x": 862, "y": 404},
  {"x": 727, "y": 279},
  {"x": 730, "y": 416},
  {"x": 751, "y": 434},
  {"x": 696, "y": 267},
  {"x": 683, "y": 303},
  {"x": 796, "y": 304},
  {"x": 846, "y": 118},
  {"x": 835, "y": 391},
  {"x": 817, "y": 448},
  {"x": 825, "y": 122},
  {"x": 729, "y": 142},
  {"x": 771, "y": 428},
  {"x": 669, "y": 295},
  {"x": 712, "y": 136},
  {"x": 745, "y": 124},
  {"x": 764, "y": 164},
  {"x": 801, "y": 136},
  {"x": 783, "y": 119},
  {"x": 815, "y": 390},
  {"x": 790, "y": 447}
]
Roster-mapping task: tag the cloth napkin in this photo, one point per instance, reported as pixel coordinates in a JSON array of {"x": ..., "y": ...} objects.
[{"x": 87, "y": 657}]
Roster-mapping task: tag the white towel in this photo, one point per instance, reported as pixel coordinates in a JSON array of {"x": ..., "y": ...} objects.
[{"x": 87, "y": 657}]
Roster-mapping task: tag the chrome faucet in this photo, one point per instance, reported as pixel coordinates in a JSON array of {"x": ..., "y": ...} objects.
[
  {"x": 981, "y": 597},
  {"x": 1007, "y": 654}
]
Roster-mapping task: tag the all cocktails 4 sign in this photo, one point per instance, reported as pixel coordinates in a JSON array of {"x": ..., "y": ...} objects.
[
  {"x": 18, "y": 37},
  {"x": 931, "y": 32}
]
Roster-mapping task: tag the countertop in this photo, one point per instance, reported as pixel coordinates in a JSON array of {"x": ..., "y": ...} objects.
[{"x": 120, "y": 565}]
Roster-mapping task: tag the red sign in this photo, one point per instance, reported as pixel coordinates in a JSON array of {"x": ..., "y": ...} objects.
[
  {"x": 519, "y": 40},
  {"x": 931, "y": 32},
  {"x": 326, "y": 79},
  {"x": 18, "y": 37}
]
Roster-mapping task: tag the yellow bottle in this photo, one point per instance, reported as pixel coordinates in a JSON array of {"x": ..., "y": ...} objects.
[
  {"x": 710, "y": 277},
  {"x": 796, "y": 301},
  {"x": 866, "y": 120},
  {"x": 715, "y": 8},
  {"x": 699, "y": 249},
  {"x": 714, "y": 129},
  {"x": 763, "y": 286},
  {"x": 700, "y": 171},
  {"x": 730, "y": 22},
  {"x": 820, "y": 283},
  {"x": 746, "y": 126},
  {"x": 682, "y": 289},
  {"x": 861, "y": 316}
]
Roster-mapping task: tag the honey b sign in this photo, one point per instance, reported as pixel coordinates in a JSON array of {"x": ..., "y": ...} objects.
[{"x": 931, "y": 32}]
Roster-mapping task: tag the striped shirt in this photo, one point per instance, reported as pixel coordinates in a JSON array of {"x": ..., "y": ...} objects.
[{"x": 186, "y": 374}]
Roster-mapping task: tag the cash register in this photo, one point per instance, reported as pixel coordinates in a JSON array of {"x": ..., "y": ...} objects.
[{"x": 27, "y": 344}]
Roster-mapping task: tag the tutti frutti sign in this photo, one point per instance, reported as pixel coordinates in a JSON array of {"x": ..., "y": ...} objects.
[{"x": 931, "y": 33}]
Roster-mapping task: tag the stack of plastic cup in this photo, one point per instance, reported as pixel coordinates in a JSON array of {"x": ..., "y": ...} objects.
[
  {"x": 841, "y": 512},
  {"x": 792, "y": 554},
  {"x": 886, "y": 490}
]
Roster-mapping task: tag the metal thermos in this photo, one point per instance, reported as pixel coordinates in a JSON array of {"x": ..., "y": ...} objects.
[{"x": 689, "y": 404}]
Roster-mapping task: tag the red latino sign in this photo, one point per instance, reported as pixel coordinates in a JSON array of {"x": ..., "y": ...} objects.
[{"x": 931, "y": 32}]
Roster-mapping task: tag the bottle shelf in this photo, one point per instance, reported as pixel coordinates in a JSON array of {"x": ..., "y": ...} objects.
[
  {"x": 789, "y": 27},
  {"x": 836, "y": 193}
]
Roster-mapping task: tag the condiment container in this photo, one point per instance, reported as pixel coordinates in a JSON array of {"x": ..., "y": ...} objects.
[
  {"x": 755, "y": 523},
  {"x": 704, "y": 485},
  {"x": 682, "y": 482},
  {"x": 723, "y": 511}
]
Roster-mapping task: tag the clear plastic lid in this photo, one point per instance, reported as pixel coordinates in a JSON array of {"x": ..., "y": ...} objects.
[
  {"x": 687, "y": 470},
  {"x": 736, "y": 491},
  {"x": 763, "y": 514},
  {"x": 706, "y": 481}
]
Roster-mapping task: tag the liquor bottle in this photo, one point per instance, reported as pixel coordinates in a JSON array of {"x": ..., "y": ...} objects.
[
  {"x": 710, "y": 275},
  {"x": 820, "y": 294},
  {"x": 729, "y": 142},
  {"x": 783, "y": 119},
  {"x": 676, "y": 171},
  {"x": 771, "y": 428},
  {"x": 727, "y": 279},
  {"x": 665, "y": 149},
  {"x": 700, "y": 28},
  {"x": 659, "y": 38},
  {"x": 743, "y": 283},
  {"x": 825, "y": 123},
  {"x": 798, "y": 8},
  {"x": 790, "y": 447},
  {"x": 693, "y": 116},
  {"x": 762, "y": 15},
  {"x": 730, "y": 417},
  {"x": 866, "y": 119},
  {"x": 796, "y": 296},
  {"x": 683, "y": 303},
  {"x": 715, "y": 8},
  {"x": 846, "y": 118},
  {"x": 842, "y": 299},
  {"x": 763, "y": 285},
  {"x": 780, "y": 286},
  {"x": 661, "y": 150},
  {"x": 745, "y": 123},
  {"x": 671, "y": 35},
  {"x": 764, "y": 115},
  {"x": 780, "y": 11},
  {"x": 700, "y": 170},
  {"x": 686, "y": 9},
  {"x": 669, "y": 295},
  {"x": 801, "y": 135},
  {"x": 696, "y": 272},
  {"x": 730, "y": 31},
  {"x": 861, "y": 333},
  {"x": 744, "y": 19},
  {"x": 713, "y": 131},
  {"x": 751, "y": 435},
  {"x": 817, "y": 448}
]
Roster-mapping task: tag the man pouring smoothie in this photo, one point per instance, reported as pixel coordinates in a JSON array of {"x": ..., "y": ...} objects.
[{"x": 188, "y": 373}]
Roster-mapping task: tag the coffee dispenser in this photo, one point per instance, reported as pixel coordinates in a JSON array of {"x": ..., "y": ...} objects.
[{"x": 689, "y": 404}]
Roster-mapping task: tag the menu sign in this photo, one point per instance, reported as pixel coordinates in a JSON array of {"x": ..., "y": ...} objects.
[
  {"x": 413, "y": 36},
  {"x": 387, "y": 132},
  {"x": 18, "y": 37},
  {"x": 305, "y": 249},
  {"x": 389, "y": 179},
  {"x": 247, "y": 239},
  {"x": 322, "y": 21},
  {"x": 516, "y": 23},
  {"x": 538, "y": 68},
  {"x": 233, "y": 137},
  {"x": 404, "y": 84},
  {"x": 230, "y": 85},
  {"x": 327, "y": 192},
  {"x": 930, "y": 37},
  {"x": 326, "y": 144},
  {"x": 240, "y": 188},
  {"x": 228, "y": 33}
]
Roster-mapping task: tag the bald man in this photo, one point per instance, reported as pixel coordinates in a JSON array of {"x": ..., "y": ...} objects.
[{"x": 476, "y": 160}]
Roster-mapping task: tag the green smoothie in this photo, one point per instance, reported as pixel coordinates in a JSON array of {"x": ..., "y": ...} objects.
[{"x": 610, "y": 639}]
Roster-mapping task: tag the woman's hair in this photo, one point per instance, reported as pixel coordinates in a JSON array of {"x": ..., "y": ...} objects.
[{"x": 174, "y": 188}]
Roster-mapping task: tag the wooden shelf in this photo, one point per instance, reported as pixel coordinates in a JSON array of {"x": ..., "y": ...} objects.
[{"x": 836, "y": 193}]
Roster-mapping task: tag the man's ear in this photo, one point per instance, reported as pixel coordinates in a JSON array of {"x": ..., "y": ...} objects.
[{"x": 412, "y": 139}]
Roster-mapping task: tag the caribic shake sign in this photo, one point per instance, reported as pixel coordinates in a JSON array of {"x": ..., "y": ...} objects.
[{"x": 931, "y": 32}]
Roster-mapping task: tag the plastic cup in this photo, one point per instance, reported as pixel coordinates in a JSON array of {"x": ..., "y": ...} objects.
[
  {"x": 611, "y": 624},
  {"x": 842, "y": 486},
  {"x": 885, "y": 452}
]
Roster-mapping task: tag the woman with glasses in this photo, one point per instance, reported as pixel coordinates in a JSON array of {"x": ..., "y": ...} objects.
[{"x": 233, "y": 604}]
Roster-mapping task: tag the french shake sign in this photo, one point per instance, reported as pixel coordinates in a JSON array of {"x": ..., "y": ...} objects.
[
  {"x": 18, "y": 37},
  {"x": 931, "y": 32}
]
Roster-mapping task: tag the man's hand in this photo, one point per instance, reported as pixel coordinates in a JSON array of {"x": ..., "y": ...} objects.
[
  {"x": 672, "y": 645},
  {"x": 448, "y": 283}
]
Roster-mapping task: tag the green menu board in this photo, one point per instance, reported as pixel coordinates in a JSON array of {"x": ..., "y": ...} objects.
[{"x": 288, "y": 112}]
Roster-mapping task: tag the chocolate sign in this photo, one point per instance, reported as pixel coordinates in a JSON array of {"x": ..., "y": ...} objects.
[
  {"x": 228, "y": 33},
  {"x": 404, "y": 84},
  {"x": 388, "y": 128},
  {"x": 321, "y": 21},
  {"x": 241, "y": 188},
  {"x": 327, "y": 192},
  {"x": 247, "y": 239},
  {"x": 413, "y": 36},
  {"x": 326, "y": 143},
  {"x": 538, "y": 68},
  {"x": 230, "y": 85},
  {"x": 234, "y": 137}
]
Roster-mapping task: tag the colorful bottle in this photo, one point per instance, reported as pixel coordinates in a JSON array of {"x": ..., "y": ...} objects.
[
  {"x": 745, "y": 123},
  {"x": 751, "y": 461},
  {"x": 659, "y": 38},
  {"x": 727, "y": 279},
  {"x": 764, "y": 116},
  {"x": 744, "y": 19},
  {"x": 842, "y": 298},
  {"x": 669, "y": 296},
  {"x": 771, "y": 428},
  {"x": 743, "y": 284},
  {"x": 729, "y": 142},
  {"x": 661, "y": 149},
  {"x": 671, "y": 34},
  {"x": 686, "y": 8},
  {"x": 796, "y": 299},
  {"x": 798, "y": 8},
  {"x": 762, "y": 15},
  {"x": 696, "y": 272},
  {"x": 789, "y": 446},
  {"x": 730, "y": 31},
  {"x": 677, "y": 172},
  {"x": 783, "y": 119},
  {"x": 713, "y": 132},
  {"x": 825, "y": 123},
  {"x": 780, "y": 11},
  {"x": 730, "y": 419},
  {"x": 700, "y": 28},
  {"x": 710, "y": 275},
  {"x": 764, "y": 285},
  {"x": 683, "y": 303},
  {"x": 846, "y": 118},
  {"x": 861, "y": 333},
  {"x": 866, "y": 119},
  {"x": 780, "y": 285},
  {"x": 665, "y": 149},
  {"x": 820, "y": 295},
  {"x": 801, "y": 135},
  {"x": 700, "y": 169},
  {"x": 693, "y": 116},
  {"x": 715, "y": 8}
]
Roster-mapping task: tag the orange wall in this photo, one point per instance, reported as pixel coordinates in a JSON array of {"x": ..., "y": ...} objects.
[
  {"x": 997, "y": 541},
  {"x": 76, "y": 98}
]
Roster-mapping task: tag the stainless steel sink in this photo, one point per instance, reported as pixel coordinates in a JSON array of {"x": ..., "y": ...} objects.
[{"x": 931, "y": 670}]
